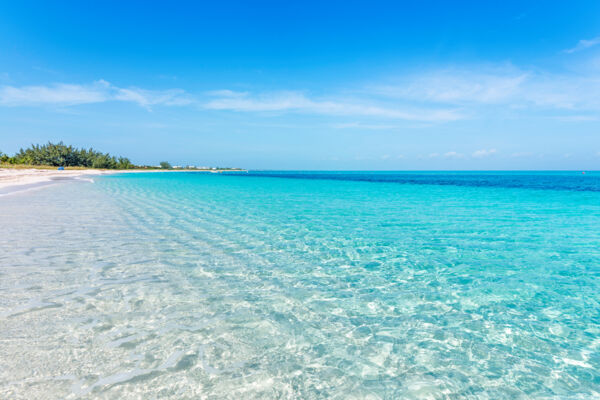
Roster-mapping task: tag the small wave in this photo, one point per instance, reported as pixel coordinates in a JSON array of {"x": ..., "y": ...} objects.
[{"x": 90, "y": 180}]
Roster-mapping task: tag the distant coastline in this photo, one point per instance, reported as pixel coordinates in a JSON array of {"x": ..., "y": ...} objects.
[
  {"x": 58, "y": 155},
  {"x": 41, "y": 164}
]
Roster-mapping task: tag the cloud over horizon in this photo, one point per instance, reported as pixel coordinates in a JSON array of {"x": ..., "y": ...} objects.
[
  {"x": 584, "y": 44},
  {"x": 436, "y": 96},
  {"x": 473, "y": 86},
  {"x": 483, "y": 153},
  {"x": 299, "y": 102},
  {"x": 62, "y": 94}
]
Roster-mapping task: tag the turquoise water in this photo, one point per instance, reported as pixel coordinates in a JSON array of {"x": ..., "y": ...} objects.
[{"x": 303, "y": 285}]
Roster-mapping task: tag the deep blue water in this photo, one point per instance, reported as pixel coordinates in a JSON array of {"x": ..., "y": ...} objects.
[{"x": 578, "y": 181}]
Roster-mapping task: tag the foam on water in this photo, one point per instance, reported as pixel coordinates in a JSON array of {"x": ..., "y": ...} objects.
[{"x": 260, "y": 286}]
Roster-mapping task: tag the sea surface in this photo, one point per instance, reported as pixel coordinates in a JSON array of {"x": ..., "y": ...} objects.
[{"x": 309, "y": 285}]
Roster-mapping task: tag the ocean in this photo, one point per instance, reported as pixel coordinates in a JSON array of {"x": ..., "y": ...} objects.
[{"x": 311, "y": 285}]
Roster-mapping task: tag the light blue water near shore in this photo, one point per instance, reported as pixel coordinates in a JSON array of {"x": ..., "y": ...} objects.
[{"x": 303, "y": 285}]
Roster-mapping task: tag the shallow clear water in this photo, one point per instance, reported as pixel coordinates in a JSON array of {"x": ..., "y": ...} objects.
[{"x": 303, "y": 285}]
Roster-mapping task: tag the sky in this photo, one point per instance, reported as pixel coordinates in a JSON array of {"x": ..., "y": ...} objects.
[{"x": 336, "y": 85}]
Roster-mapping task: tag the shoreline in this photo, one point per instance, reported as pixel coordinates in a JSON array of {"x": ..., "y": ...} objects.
[{"x": 18, "y": 179}]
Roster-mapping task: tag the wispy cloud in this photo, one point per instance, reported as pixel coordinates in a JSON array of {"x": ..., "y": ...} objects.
[
  {"x": 453, "y": 154},
  {"x": 483, "y": 153},
  {"x": 361, "y": 126},
  {"x": 59, "y": 94},
  {"x": 584, "y": 44},
  {"x": 226, "y": 93},
  {"x": 427, "y": 97},
  {"x": 290, "y": 101},
  {"x": 147, "y": 98},
  {"x": 62, "y": 94},
  {"x": 476, "y": 87},
  {"x": 457, "y": 155},
  {"x": 456, "y": 86},
  {"x": 438, "y": 95}
]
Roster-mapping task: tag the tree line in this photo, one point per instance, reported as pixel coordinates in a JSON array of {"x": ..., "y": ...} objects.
[{"x": 61, "y": 155}]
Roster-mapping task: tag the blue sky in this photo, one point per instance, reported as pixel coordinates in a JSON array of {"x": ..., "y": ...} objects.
[{"x": 342, "y": 85}]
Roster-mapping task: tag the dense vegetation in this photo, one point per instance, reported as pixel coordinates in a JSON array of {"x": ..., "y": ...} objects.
[{"x": 61, "y": 155}]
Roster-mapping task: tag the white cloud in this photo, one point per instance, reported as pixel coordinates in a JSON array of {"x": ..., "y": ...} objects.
[
  {"x": 226, "y": 93},
  {"x": 584, "y": 44},
  {"x": 438, "y": 95},
  {"x": 453, "y": 154},
  {"x": 62, "y": 94},
  {"x": 358, "y": 125},
  {"x": 288, "y": 101},
  {"x": 567, "y": 92},
  {"x": 427, "y": 97},
  {"x": 474, "y": 87},
  {"x": 239, "y": 101},
  {"x": 147, "y": 98},
  {"x": 483, "y": 153},
  {"x": 457, "y": 86}
]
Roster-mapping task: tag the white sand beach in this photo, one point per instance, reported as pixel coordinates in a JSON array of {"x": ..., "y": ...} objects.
[
  {"x": 15, "y": 179},
  {"x": 18, "y": 178}
]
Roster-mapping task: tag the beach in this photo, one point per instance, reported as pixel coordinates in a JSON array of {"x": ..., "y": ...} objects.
[
  {"x": 15, "y": 178},
  {"x": 300, "y": 200}
]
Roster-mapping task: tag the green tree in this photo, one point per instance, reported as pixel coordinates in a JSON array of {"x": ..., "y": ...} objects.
[
  {"x": 165, "y": 165},
  {"x": 124, "y": 163},
  {"x": 61, "y": 155},
  {"x": 104, "y": 161}
]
